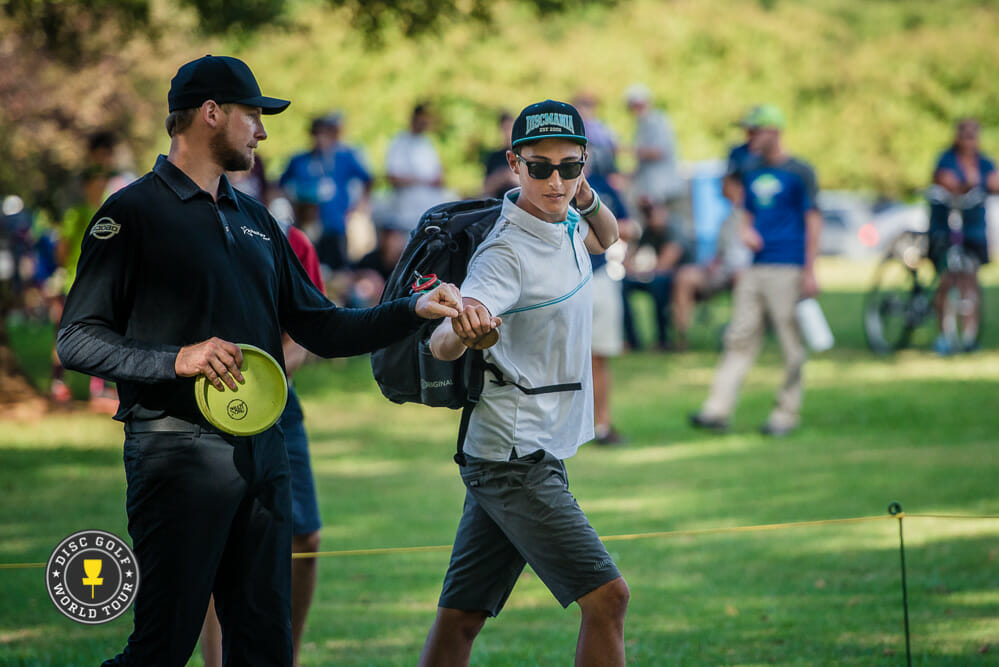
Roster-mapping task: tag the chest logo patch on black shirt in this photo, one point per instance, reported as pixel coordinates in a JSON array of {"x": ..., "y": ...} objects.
[
  {"x": 104, "y": 229},
  {"x": 254, "y": 232}
]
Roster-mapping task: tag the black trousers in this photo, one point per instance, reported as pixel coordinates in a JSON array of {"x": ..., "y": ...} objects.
[{"x": 207, "y": 514}]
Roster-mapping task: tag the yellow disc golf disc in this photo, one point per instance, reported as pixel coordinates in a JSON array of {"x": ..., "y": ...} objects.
[{"x": 255, "y": 405}]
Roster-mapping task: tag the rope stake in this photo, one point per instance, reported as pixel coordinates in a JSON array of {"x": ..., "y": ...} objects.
[{"x": 895, "y": 510}]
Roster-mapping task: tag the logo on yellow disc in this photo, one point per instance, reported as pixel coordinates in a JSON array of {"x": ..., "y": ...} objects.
[{"x": 237, "y": 409}]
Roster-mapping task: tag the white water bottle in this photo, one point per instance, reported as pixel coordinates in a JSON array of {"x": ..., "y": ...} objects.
[{"x": 814, "y": 328}]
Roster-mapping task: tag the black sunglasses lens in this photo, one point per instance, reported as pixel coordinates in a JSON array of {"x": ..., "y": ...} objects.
[
  {"x": 543, "y": 170},
  {"x": 570, "y": 170},
  {"x": 540, "y": 170}
]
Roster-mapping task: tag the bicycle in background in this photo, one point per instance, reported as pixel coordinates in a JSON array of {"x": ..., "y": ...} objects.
[{"x": 925, "y": 274}]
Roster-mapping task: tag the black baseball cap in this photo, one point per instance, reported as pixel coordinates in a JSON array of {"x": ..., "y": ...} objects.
[
  {"x": 220, "y": 78},
  {"x": 548, "y": 120}
]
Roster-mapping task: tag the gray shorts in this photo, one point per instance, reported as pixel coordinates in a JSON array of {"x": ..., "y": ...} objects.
[{"x": 519, "y": 512}]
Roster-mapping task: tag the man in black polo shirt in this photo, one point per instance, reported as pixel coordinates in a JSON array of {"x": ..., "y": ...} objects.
[{"x": 175, "y": 270}]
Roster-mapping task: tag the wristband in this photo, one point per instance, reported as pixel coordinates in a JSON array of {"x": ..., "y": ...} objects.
[{"x": 593, "y": 207}]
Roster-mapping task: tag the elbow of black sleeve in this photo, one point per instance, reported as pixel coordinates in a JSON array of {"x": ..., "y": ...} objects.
[
  {"x": 95, "y": 351},
  {"x": 67, "y": 347},
  {"x": 75, "y": 350}
]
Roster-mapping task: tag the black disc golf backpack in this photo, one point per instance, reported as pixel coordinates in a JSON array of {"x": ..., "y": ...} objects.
[{"x": 439, "y": 249}]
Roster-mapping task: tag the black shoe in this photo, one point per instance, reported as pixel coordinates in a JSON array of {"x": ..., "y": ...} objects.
[
  {"x": 611, "y": 438},
  {"x": 697, "y": 420}
]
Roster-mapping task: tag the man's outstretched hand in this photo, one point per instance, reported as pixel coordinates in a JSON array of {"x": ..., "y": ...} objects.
[{"x": 443, "y": 301}]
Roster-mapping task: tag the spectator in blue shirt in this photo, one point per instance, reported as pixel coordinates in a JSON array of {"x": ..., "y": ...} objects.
[
  {"x": 332, "y": 178},
  {"x": 963, "y": 171},
  {"x": 781, "y": 225}
]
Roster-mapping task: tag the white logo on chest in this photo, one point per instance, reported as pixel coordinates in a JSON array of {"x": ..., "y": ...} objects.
[{"x": 253, "y": 232}]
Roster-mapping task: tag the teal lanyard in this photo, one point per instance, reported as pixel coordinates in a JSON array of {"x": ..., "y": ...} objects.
[{"x": 570, "y": 222}]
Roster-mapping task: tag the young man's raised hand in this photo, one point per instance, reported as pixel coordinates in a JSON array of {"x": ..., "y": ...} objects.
[{"x": 474, "y": 326}]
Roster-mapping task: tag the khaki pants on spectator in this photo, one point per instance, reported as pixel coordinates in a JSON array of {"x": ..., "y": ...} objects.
[{"x": 762, "y": 291}]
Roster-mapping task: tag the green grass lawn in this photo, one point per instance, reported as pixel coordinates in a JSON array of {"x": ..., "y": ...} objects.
[{"x": 913, "y": 428}]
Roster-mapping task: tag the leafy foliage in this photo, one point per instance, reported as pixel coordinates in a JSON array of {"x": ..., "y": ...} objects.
[
  {"x": 870, "y": 90},
  {"x": 65, "y": 29},
  {"x": 97, "y": 64},
  {"x": 418, "y": 17},
  {"x": 220, "y": 16}
]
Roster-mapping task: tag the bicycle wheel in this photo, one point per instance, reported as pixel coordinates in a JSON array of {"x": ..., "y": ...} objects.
[{"x": 898, "y": 302}]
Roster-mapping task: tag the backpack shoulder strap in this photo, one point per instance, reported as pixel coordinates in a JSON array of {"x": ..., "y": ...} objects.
[
  {"x": 475, "y": 369},
  {"x": 466, "y": 416}
]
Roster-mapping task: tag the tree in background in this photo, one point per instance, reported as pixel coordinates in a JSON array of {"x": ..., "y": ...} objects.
[{"x": 69, "y": 68}]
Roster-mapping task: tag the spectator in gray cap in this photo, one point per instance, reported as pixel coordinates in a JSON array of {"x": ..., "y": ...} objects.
[{"x": 657, "y": 178}]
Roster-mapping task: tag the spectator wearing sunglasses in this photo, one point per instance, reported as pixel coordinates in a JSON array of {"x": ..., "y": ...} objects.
[{"x": 532, "y": 275}]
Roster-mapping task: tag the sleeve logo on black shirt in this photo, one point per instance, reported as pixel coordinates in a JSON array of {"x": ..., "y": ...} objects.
[{"x": 104, "y": 229}]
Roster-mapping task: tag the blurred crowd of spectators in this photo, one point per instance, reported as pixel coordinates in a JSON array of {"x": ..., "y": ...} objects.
[{"x": 360, "y": 231}]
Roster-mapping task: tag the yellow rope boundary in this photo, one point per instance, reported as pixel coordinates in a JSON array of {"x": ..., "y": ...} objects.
[{"x": 619, "y": 538}]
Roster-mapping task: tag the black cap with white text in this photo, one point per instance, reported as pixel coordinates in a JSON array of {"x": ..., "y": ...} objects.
[{"x": 548, "y": 120}]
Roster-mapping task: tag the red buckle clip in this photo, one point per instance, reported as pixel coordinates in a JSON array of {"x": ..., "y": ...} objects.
[{"x": 425, "y": 283}]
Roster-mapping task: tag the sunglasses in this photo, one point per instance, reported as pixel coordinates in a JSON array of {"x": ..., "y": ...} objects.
[{"x": 543, "y": 170}]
